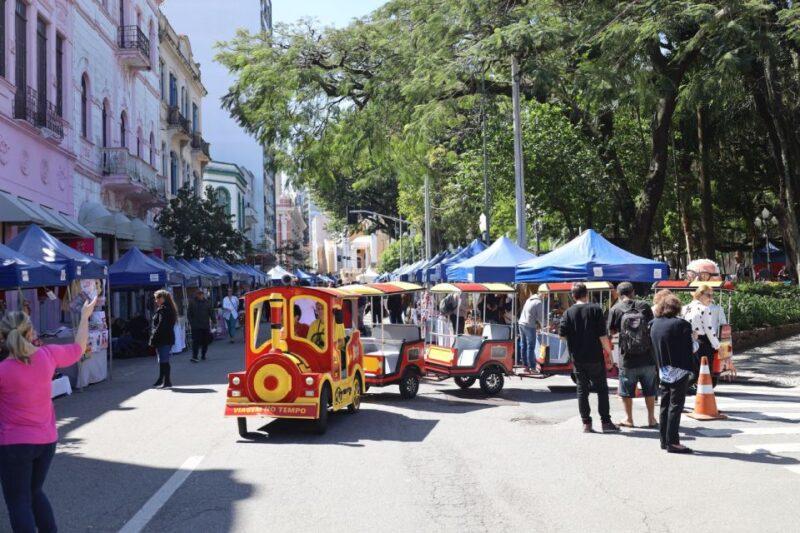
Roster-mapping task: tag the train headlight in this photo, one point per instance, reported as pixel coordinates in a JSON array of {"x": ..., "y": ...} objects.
[
  {"x": 309, "y": 381},
  {"x": 236, "y": 380}
]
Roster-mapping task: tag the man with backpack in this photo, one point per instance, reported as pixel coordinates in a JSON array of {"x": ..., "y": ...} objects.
[{"x": 630, "y": 318}]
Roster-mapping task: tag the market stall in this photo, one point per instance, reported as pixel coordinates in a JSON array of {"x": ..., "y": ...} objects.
[
  {"x": 135, "y": 272},
  {"x": 439, "y": 273},
  {"x": 19, "y": 272},
  {"x": 590, "y": 257},
  {"x": 496, "y": 264},
  {"x": 87, "y": 276}
]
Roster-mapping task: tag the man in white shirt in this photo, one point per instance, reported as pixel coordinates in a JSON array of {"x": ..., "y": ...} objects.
[
  {"x": 530, "y": 320},
  {"x": 230, "y": 312}
]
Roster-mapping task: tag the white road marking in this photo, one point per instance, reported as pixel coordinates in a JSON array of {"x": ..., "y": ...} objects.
[
  {"x": 778, "y": 447},
  {"x": 157, "y": 501},
  {"x": 730, "y": 432}
]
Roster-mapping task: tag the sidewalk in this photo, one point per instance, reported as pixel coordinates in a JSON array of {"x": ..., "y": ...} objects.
[{"x": 776, "y": 364}]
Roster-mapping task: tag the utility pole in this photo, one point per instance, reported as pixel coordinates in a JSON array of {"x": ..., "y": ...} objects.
[
  {"x": 427, "y": 218},
  {"x": 519, "y": 176},
  {"x": 485, "y": 232}
]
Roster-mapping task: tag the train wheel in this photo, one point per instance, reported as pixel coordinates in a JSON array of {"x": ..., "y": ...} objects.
[
  {"x": 492, "y": 381},
  {"x": 355, "y": 405},
  {"x": 241, "y": 423},
  {"x": 409, "y": 385},
  {"x": 465, "y": 382},
  {"x": 321, "y": 423}
]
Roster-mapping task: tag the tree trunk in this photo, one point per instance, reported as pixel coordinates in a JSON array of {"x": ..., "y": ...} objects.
[
  {"x": 683, "y": 183},
  {"x": 707, "y": 241}
]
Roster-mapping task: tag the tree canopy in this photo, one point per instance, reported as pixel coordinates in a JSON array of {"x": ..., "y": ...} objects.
[{"x": 666, "y": 125}]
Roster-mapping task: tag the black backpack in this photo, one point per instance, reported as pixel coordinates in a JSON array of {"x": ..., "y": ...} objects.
[{"x": 634, "y": 333}]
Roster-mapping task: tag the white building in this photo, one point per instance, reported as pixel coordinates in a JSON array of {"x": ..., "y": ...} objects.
[
  {"x": 184, "y": 152},
  {"x": 229, "y": 182},
  {"x": 116, "y": 114}
]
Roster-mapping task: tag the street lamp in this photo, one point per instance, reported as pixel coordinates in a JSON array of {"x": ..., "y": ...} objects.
[
  {"x": 763, "y": 221},
  {"x": 484, "y": 227}
]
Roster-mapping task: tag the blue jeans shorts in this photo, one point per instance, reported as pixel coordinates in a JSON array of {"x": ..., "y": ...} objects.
[{"x": 645, "y": 376}]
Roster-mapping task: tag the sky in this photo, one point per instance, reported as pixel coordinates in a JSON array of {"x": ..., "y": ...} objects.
[{"x": 207, "y": 22}]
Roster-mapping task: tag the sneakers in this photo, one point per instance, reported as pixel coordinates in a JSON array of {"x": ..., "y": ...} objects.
[
  {"x": 610, "y": 427},
  {"x": 587, "y": 427}
]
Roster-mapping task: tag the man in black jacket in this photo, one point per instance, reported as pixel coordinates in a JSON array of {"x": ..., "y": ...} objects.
[
  {"x": 201, "y": 316},
  {"x": 584, "y": 329}
]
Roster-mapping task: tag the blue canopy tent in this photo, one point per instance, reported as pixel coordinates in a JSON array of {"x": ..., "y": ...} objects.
[
  {"x": 222, "y": 266},
  {"x": 37, "y": 244},
  {"x": 418, "y": 272},
  {"x": 440, "y": 271},
  {"x": 590, "y": 257},
  {"x": 304, "y": 276},
  {"x": 18, "y": 271},
  {"x": 427, "y": 272},
  {"x": 776, "y": 255},
  {"x": 217, "y": 276},
  {"x": 135, "y": 270},
  {"x": 495, "y": 264},
  {"x": 408, "y": 272},
  {"x": 191, "y": 278}
]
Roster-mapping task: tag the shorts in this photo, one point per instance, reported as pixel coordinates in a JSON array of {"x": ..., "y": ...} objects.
[{"x": 646, "y": 376}]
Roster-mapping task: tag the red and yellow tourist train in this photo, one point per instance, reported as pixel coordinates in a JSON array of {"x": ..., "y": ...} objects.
[{"x": 303, "y": 357}]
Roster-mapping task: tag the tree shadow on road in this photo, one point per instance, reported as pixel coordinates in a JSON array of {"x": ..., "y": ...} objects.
[
  {"x": 433, "y": 402},
  {"x": 346, "y": 429}
]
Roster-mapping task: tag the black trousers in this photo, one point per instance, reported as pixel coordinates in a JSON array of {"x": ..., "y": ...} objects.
[
  {"x": 673, "y": 396},
  {"x": 23, "y": 469},
  {"x": 200, "y": 342},
  {"x": 586, "y": 375},
  {"x": 705, "y": 349},
  {"x": 455, "y": 318}
]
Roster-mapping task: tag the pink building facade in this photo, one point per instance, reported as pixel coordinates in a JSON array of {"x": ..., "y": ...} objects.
[{"x": 36, "y": 136}]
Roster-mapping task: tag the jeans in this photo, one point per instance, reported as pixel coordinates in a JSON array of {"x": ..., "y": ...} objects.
[
  {"x": 586, "y": 375},
  {"x": 673, "y": 396},
  {"x": 164, "y": 353},
  {"x": 231, "y": 322},
  {"x": 646, "y": 376},
  {"x": 200, "y": 342},
  {"x": 23, "y": 469},
  {"x": 527, "y": 345}
]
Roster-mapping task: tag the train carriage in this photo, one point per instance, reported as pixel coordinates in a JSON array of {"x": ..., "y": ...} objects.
[
  {"x": 486, "y": 355},
  {"x": 393, "y": 353},
  {"x": 303, "y": 357}
]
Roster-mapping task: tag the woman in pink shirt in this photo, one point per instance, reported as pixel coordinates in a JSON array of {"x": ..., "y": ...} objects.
[{"x": 27, "y": 418}]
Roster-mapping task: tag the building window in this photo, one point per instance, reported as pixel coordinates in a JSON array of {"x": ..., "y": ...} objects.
[
  {"x": 41, "y": 67},
  {"x": 224, "y": 199},
  {"x": 161, "y": 79},
  {"x": 152, "y": 158},
  {"x": 85, "y": 107},
  {"x": 2, "y": 37},
  {"x": 123, "y": 130},
  {"x": 104, "y": 121},
  {"x": 173, "y": 90},
  {"x": 195, "y": 118},
  {"x": 21, "y": 57},
  {"x": 60, "y": 75},
  {"x": 173, "y": 172}
]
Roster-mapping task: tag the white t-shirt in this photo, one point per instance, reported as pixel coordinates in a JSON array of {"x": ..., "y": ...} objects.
[{"x": 230, "y": 307}]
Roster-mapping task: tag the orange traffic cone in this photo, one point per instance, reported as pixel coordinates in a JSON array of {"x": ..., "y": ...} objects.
[{"x": 705, "y": 404}]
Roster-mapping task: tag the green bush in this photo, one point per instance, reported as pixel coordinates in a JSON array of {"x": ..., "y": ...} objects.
[
  {"x": 751, "y": 310},
  {"x": 776, "y": 290}
]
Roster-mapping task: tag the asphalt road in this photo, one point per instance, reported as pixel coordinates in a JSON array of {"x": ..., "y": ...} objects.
[{"x": 167, "y": 460}]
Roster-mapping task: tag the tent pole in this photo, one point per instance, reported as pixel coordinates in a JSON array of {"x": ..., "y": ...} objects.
[{"x": 110, "y": 349}]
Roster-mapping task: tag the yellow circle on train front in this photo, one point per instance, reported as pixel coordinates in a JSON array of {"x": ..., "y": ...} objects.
[{"x": 272, "y": 383}]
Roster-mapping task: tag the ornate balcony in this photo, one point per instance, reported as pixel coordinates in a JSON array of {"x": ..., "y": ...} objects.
[
  {"x": 180, "y": 124},
  {"x": 133, "y": 177},
  {"x": 39, "y": 113},
  {"x": 134, "y": 48},
  {"x": 201, "y": 147}
]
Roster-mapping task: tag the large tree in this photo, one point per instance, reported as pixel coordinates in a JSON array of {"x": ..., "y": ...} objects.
[{"x": 200, "y": 226}]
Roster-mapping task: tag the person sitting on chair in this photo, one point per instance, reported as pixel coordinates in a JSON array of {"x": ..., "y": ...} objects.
[
  {"x": 300, "y": 329},
  {"x": 316, "y": 332}
]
